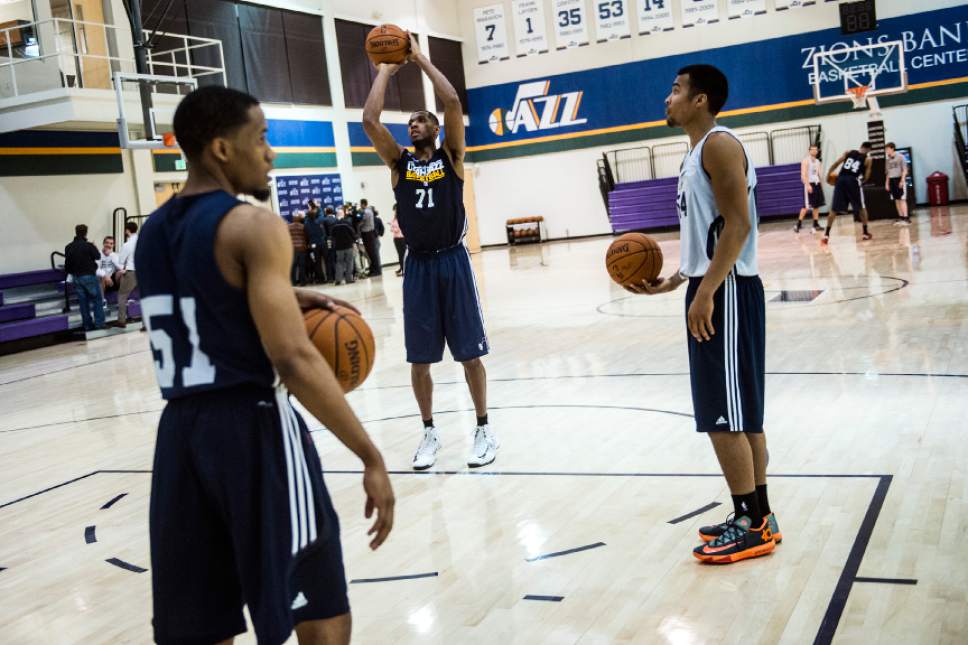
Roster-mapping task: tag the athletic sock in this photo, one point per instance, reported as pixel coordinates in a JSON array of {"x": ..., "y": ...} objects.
[
  {"x": 749, "y": 506},
  {"x": 763, "y": 500},
  {"x": 826, "y": 233},
  {"x": 482, "y": 421},
  {"x": 865, "y": 230},
  {"x": 429, "y": 423}
]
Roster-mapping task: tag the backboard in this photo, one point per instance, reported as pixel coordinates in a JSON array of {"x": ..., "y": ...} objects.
[
  {"x": 146, "y": 84},
  {"x": 839, "y": 71}
]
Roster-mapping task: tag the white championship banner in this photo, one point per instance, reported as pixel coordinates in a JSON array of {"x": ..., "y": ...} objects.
[{"x": 492, "y": 34}]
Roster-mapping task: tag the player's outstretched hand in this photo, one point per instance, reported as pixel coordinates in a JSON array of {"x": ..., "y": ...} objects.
[
  {"x": 391, "y": 68},
  {"x": 379, "y": 496},
  {"x": 659, "y": 285},
  {"x": 309, "y": 299},
  {"x": 414, "y": 47}
]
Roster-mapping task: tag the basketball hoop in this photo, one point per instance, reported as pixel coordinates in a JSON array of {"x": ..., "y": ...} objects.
[{"x": 858, "y": 95}]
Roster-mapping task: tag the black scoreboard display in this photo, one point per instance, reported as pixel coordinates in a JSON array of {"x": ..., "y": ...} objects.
[{"x": 857, "y": 17}]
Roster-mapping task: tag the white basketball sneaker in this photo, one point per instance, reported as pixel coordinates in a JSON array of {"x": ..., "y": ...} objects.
[
  {"x": 427, "y": 451},
  {"x": 485, "y": 447}
]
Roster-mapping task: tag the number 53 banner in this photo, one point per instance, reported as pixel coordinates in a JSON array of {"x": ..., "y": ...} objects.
[
  {"x": 571, "y": 24},
  {"x": 611, "y": 19},
  {"x": 492, "y": 35}
]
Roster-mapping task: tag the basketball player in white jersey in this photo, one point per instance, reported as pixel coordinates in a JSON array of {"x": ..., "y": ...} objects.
[
  {"x": 895, "y": 182},
  {"x": 726, "y": 313},
  {"x": 813, "y": 199}
]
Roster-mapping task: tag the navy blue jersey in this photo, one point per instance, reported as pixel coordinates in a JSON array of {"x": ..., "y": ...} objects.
[
  {"x": 202, "y": 334},
  {"x": 430, "y": 202},
  {"x": 853, "y": 166}
]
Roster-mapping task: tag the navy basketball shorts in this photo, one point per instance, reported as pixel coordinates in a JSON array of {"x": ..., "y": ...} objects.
[
  {"x": 815, "y": 198},
  {"x": 240, "y": 515},
  {"x": 847, "y": 192},
  {"x": 441, "y": 304},
  {"x": 897, "y": 189},
  {"x": 727, "y": 372}
]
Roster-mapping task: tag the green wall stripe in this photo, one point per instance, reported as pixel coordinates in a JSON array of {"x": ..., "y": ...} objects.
[
  {"x": 166, "y": 163},
  {"x": 42, "y": 165},
  {"x": 745, "y": 120}
]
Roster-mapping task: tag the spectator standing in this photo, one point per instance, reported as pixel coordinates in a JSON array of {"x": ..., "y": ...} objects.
[
  {"x": 398, "y": 240},
  {"x": 371, "y": 241},
  {"x": 81, "y": 263},
  {"x": 316, "y": 236},
  {"x": 330, "y": 220},
  {"x": 297, "y": 231},
  {"x": 108, "y": 266},
  {"x": 344, "y": 246},
  {"x": 129, "y": 277}
]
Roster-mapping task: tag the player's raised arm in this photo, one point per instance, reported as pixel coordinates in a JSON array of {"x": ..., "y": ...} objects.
[
  {"x": 453, "y": 113},
  {"x": 262, "y": 246},
  {"x": 386, "y": 146}
]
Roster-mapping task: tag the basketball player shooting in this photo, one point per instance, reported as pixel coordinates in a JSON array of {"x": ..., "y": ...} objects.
[
  {"x": 440, "y": 299},
  {"x": 726, "y": 316},
  {"x": 239, "y": 511}
]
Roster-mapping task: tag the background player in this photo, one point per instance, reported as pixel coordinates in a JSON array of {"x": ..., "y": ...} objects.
[
  {"x": 239, "y": 512},
  {"x": 813, "y": 199},
  {"x": 849, "y": 191},
  {"x": 726, "y": 309},
  {"x": 440, "y": 299},
  {"x": 896, "y": 171}
]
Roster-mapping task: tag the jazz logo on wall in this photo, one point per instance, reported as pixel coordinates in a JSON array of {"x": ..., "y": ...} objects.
[{"x": 535, "y": 109}]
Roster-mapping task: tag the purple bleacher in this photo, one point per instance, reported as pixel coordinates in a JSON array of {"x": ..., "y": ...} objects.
[
  {"x": 33, "y": 327},
  {"x": 17, "y": 312},
  {"x": 644, "y": 205},
  {"x": 30, "y": 278}
]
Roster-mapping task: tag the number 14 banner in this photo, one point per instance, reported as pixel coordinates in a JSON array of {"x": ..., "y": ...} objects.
[
  {"x": 655, "y": 16},
  {"x": 611, "y": 19}
]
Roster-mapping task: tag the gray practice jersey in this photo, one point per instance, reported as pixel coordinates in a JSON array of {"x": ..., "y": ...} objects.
[
  {"x": 700, "y": 223},
  {"x": 814, "y": 167},
  {"x": 895, "y": 166}
]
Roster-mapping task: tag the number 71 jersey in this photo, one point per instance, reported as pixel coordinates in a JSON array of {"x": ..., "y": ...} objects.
[
  {"x": 430, "y": 202},
  {"x": 201, "y": 331}
]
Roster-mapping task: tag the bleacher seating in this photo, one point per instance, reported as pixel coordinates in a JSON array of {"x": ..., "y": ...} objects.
[
  {"x": 32, "y": 305},
  {"x": 644, "y": 205}
]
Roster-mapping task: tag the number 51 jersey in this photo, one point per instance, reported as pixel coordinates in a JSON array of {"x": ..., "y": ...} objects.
[
  {"x": 202, "y": 334},
  {"x": 430, "y": 202}
]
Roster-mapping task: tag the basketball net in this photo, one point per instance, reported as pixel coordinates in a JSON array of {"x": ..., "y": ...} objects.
[{"x": 858, "y": 94}]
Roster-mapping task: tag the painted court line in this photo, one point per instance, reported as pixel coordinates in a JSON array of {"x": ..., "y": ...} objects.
[
  {"x": 556, "y": 554},
  {"x": 125, "y": 565},
  {"x": 547, "y": 598},
  {"x": 112, "y": 501},
  {"x": 89, "y": 536},
  {"x": 414, "y": 576},
  {"x": 889, "y": 581},
  {"x": 699, "y": 511}
]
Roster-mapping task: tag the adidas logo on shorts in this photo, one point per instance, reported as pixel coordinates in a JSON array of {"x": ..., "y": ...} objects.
[
  {"x": 721, "y": 421},
  {"x": 300, "y": 601}
]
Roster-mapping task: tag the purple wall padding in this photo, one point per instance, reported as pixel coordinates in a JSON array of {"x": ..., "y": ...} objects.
[
  {"x": 17, "y": 312},
  {"x": 33, "y": 327}
]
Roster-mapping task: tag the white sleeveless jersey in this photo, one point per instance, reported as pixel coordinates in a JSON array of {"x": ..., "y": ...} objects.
[
  {"x": 699, "y": 220},
  {"x": 814, "y": 167}
]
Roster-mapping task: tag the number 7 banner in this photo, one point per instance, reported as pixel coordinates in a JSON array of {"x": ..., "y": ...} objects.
[{"x": 492, "y": 36}]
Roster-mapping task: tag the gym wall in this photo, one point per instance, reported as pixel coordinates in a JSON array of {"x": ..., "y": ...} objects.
[{"x": 623, "y": 83}]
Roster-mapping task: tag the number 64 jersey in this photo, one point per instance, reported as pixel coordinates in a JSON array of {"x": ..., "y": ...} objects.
[
  {"x": 202, "y": 334},
  {"x": 430, "y": 202}
]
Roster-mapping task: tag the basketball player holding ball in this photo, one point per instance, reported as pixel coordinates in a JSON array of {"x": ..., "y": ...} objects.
[
  {"x": 239, "y": 512},
  {"x": 440, "y": 299},
  {"x": 726, "y": 316}
]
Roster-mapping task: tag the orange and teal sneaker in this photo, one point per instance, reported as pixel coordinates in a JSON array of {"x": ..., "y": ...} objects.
[
  {"x": 739, "y": 541},
  {"x": 710, "y": 533}
]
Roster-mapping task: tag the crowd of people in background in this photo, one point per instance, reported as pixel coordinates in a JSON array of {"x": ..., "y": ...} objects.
[
  {"x": 329, "y": 245},
  {"x": 95, "y": 272}
]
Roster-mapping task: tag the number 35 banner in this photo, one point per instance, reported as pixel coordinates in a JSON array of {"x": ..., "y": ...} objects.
[
  {"x": 655, "y": 16},
  {"x": 529, "y": 27},
  {"x": 492, "y": 35},
  {"x": 611, "y": 19},
  {"x": 571, "y": 24}
]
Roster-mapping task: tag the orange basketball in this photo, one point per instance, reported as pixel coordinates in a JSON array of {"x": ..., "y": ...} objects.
[
  {"x": 832, "y": 179},
  {"x": 387, "y": 44},
  {"x": 632, "y": 258},
  {"x": 345, "y": 341}
]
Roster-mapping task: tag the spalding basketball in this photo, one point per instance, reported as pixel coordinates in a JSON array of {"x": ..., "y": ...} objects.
[
  {"x": 832, "y": 179},
  {"x": 345, "y": 341},
  {"x": 632, "y": 258},
  {"x": 387, "y": 44}
]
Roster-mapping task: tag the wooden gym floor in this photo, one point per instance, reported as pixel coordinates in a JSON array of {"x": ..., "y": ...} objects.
[{"x": 582, "y": 529}]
